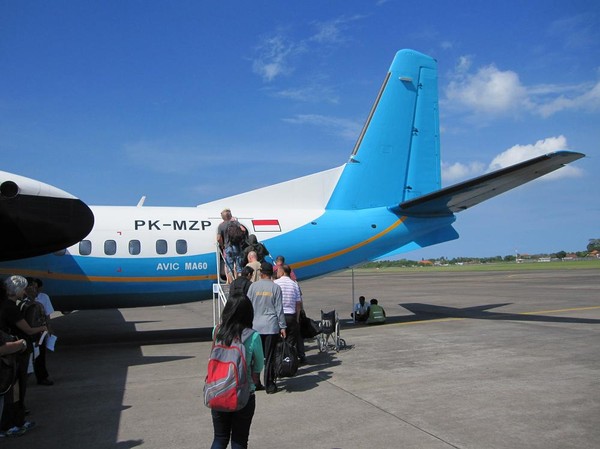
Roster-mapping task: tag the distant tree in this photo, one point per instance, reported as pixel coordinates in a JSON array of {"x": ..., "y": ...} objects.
[
  {"x": 509, "y": 258},
  {"x": 561, "y": 254},
  {"x": 593, "y": 245}
]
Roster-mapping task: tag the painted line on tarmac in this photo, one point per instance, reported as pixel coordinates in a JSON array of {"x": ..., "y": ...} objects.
[
  {"x": 440, "y": 320},
  {"x": 435, "y": 320},
  {"x": 575, "y": 309}
]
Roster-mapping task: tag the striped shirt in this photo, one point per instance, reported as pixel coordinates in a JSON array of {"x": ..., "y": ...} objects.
[{"x": 290, "y": 292}]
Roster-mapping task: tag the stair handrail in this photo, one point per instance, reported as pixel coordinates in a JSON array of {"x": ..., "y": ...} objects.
[{"x": 219, "y": 298}]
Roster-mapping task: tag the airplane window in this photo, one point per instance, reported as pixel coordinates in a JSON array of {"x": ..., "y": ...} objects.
[
  {"x": 62, "y": 252},
  {"x": 85, "y": 247},
  {"x": 135, "y": 247},
  {"x": 110, "y": 247},
  {"x": 181, "y": 246},
  {"x": 161, "y": 246}
]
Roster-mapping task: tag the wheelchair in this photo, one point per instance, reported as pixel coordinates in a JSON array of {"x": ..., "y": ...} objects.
[{"x": 329, "y": 336}]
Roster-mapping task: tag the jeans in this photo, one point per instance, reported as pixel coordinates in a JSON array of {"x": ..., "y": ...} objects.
[
  {"x": 234, "y": 425},
  {"x": 233, "y": 256}
]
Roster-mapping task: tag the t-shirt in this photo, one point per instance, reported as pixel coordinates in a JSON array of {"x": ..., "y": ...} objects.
[
  {"x": 222, "y": 231},
  {"x": 291, "y": 294},
  {"x": 361, "y": 309},
  {"x": 44, "y": 300},
  {"x": 255, "y": 358},
  {"x": 256, "y": 267}
]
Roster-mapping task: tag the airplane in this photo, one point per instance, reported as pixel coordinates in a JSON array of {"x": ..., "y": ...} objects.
[{"x": 386, "y": 199}]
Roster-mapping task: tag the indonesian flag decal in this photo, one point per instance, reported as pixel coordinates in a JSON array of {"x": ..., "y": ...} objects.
[{"x": 266, "y": 226}]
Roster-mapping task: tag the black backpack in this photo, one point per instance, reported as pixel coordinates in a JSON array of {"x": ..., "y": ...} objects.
[
  {"x": 33, "y": 312},
  {"x": 261, "y": 252},
  {"x": 254, "y": 245},
  {"x": 236, "y": 234},
  {"x": 239, "y": 286}
]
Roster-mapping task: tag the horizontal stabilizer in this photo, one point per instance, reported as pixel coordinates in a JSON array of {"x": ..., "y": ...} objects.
[{"x": 467, "y": 194}]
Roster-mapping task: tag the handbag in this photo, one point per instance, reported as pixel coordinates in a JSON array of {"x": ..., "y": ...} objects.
[
  {"x": 308, "y": 328},
  {"x": 286, "y": 359}
]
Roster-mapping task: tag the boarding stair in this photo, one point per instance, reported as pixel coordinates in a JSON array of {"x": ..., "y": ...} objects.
[{"x": 220, "y": 290}]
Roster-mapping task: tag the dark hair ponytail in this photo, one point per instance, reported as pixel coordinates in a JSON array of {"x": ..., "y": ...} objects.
[{"x": 238, "y": 315}]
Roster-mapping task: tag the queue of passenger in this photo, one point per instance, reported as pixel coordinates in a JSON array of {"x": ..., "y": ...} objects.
[
  {"x": 272, "y": 289},
  {"x": 276, "y": 305},
  {"x": 24, "y": 322}
]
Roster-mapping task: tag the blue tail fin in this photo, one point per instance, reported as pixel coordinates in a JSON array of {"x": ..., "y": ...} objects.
[{"x": 397, "y": 155}]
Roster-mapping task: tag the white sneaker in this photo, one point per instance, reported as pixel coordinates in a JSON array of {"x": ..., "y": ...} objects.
[{"x": 15, "y": 431}]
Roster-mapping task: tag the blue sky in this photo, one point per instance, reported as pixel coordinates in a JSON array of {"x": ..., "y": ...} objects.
[{"x": 189, "y": 101}]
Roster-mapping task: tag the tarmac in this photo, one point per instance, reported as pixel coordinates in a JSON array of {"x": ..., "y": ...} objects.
[{"x": 466, "y": 360}]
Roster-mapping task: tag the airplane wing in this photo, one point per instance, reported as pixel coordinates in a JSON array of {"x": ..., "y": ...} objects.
[
  {"x": 37, "y": 218},
  {"x": 467, "y": 194}
]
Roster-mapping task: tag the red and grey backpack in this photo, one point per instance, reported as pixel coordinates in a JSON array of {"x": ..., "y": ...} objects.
[{"x": 226, "y": 387}]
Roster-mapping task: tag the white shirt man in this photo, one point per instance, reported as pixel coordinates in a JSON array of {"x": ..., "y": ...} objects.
[{"x": 292, "y": 305}]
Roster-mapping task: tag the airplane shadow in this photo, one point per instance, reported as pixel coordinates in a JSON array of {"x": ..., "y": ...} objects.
[
  {"x": 314, "y": 372},
  {"x": 94, "y": 353},
  {"x": 425, "y": 312}
]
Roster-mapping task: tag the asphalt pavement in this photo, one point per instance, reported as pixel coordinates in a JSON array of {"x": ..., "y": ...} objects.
[{"x": 466, "y": 360}]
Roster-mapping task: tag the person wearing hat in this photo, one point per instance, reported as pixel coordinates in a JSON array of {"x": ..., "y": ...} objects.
[{"x": 269, "y": 320}]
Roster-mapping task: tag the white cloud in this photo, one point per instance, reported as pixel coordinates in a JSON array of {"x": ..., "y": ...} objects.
[
  {"x": 520, "y": 153},
  {"x": 496, "y": 92},
  {"x": 311, "y": 94},
  {"x": 345, "y": 128},
  {"x": 588, "y": 100},
  {"x": 332, "y": 31},
  {"x": 489, "y": 90},
  {"x": 275, "y": 54},
  {"x": 452, "y": 173},
  {"x": 166, "y": 158},
  {"x": 273, "y": 59},
  {"x": 463, "y": 65},
  {"x": 575, "y": 32}
]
